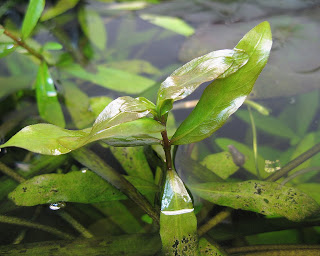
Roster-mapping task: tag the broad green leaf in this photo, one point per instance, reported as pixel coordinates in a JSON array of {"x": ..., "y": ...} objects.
[
  {"x": 32, "y": 16},
  {"x": 268, "y": 198},
  {"x": 93, "y": 27},
  {"x": 98, "y": 104},
  {"x": 248, "y": 153},
  {"x": 311, "y": 189},
  {"x": 113, "y": 79},
  {"x": 290, "y": 236},
  {"x": 209, "y": 249},
  {"x": 171, "y": 23},
  {"x": 135, "y": 66},
  {"x": 53, "y": 140},
  {"x": 177, "y": 210},
  {"x": 47, "y": 97},
  {"x": 221, "y": 164},
  {"x": 268, "y": 124},
  {"x": 224, "y": 96},
  {"x": 186, "y": 79},
  {"x": 6, "y": 48},
  {"x": 61, "y": 7},
  {"x": 52, "y": 46},
  {"x": 78, "y": 104},
  {"x": 77, "y": 186}
]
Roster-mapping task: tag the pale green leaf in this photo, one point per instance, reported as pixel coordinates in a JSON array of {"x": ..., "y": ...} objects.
[
  {"x": 6, "y": 49},
  {"x": 171, "y": 23},
  {"x": 311, "y": 189},
  {"x": 224, "y": 96},
  {"x": 47, "y": 97},
  {"x": 177, "y": 210},
  {"x": 186, "y": 79},
  {"x": 60, "y": 7},
  {"x": 32, "y": 16},
  {"x": 113, "y": 79},
  {"x": 135, "y": 66},
  {"x": 267, "y": 198},
  {"x": 52, "y": 46},
  {"x": 98, "y": 104},
  {"x": 93, "y": 27}
]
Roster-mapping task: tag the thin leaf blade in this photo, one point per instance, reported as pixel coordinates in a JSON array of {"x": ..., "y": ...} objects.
[{"x": 32, "y": 16}]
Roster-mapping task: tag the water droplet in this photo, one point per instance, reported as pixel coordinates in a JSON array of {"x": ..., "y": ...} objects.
[
  {"x": 84, "y": 170},
  {"x": 51, "y": 93},
  {"x": 57, "y": 206}
]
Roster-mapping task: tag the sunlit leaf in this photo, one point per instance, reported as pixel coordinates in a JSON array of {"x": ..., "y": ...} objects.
[
  {"x": 221, "y": 164},
  {"x": 267, "y": 198},
  {"x": 113, "y": 79},
  {"x": 93, "y": 27},
  {"x": 249, "y": 163},
  {"x": 177, "y": 210},
  {"x": 171, "y": 23},
  {"x": 32, "y": 16},
  {"x": 60, "y": 7},
  {"x": 224, "y": 96},
  {"x": 78, "y": 105},
  {"x": 186, "y": 79},
  {"x": 77, "y": 186},
  {"x": 268, "y": 124},
  {"x": 209, "y": 249},
  {"x": 47, "y": 97},
  {"x": 6, "y": 48}
]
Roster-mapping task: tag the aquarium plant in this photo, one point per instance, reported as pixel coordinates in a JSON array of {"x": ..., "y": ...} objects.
[{"x": 132, "y": 122}]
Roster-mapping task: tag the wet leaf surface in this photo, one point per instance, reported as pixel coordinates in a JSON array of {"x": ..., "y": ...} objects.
[{"x": 267, "y": 198}]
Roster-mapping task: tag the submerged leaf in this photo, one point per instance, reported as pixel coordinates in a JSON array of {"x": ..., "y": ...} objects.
[
  {"x": 60, "y": 7},
  {"x": 209, "y": 249},
  {"x": 183, "y": 81},
  {"x": 32, "y": 16},
  {"x": 6, "y": 49},
  {"x": 47, "y": 97},
  {"x": 267, "y": 198},
  {"x": 78, "y": 186},
  {"x": 177, "y": 211},
  {"x": 224, "y": 96}
]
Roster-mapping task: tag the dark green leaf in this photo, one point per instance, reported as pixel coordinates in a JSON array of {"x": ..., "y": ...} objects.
[
  {"x": 224, "y": 96},
  {"x": 221, "y": 164},
  {"x": 183, "y": 81},
  {"x": 60, "y": 7},
  {"x": 47, "y": 98},
  {"x": 32, "y": 16},
  {"x": 267, "y": 198},
  {"x": 93, "y": 27},
  {"x": 78, "y": 186},
  {"x": 113, "y": 79},
  {"x": 6, "y": 48},
  {"x": 209, "y": 249},
  {"x": 177, "y": 210}
]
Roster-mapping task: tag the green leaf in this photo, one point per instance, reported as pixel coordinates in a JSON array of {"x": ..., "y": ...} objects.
[
  {"x": 186, "y": 79},
  {"x": 171, "y": 23},
  {"x": 77, "y": 186},
  {"x": 209, "y": 249},
  {"x": 47, "y": 99},
  {"x": 268, "y": 124},
  {"x": 78, "y": 105},
  {"x": 93, "y": 27},
  {"x": 53, "y": 46},
  {"x": 224, "y": 96},
  {"x": 267, "y": 198},
  {"x": 248, "y": 153},
  {"x": 60, "y": 7},
  {"x": 113, "y": 79},
  {"x": 311, "y": 189},
  {"x": 221, "y": 164},
  {"x": 32, "y": 16},
  {"x": 177, "y": 210},
  {"x": 6, "y": 49},
  {"x": 97, "y": 104},
  {"x": 135, "y": 66},
  {"x": 11, "y": 84}
]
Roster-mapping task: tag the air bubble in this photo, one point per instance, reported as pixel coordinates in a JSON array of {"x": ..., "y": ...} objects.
[{"x": 57, "y": 206}]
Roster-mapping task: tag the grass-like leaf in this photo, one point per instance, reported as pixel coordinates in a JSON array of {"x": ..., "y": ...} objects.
[{"x": 32, "y": 16}]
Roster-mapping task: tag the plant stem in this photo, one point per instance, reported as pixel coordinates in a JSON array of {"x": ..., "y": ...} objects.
[
  {"x": 254, "y": 142},
  {"x": 21, "y": 43},
  {"x": 214, "y": 221},
  {"x": 22, "y": 222},
  {"x": 11, "y": 173},
  {"x": 294, "y": 163},
  {"x": 167, "y": 149}
]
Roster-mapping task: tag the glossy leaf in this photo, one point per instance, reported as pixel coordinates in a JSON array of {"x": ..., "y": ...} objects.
[
  {"x": 93, "y": 27},
  {"x": 98, "y": 104},
  {"x": 47, "y": 97},
  {"x": 209, "y": 249},
  {"x": 60, "y": 7},
  {"x": 32, "y": 16},
  {"x": 183, "y": 81},
  {"x": 78, "y": 105},
  {"x": 267, "y": 198},
  {"x": 171, "y": 23},
  {"x": 221, "y": 164},
  {"x": 77, "y": 186},
  {"x": 177, "y": 210},
  {"x": 6, "y": 49},
  {"x": 113, "y": 79},
  {"x": 224, "y": 96}
]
